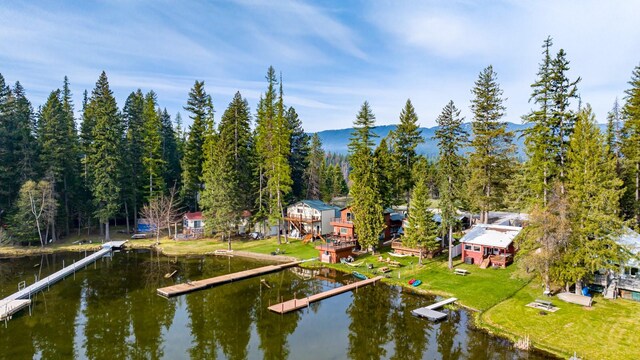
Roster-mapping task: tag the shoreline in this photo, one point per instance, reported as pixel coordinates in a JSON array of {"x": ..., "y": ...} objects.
[{"x": 7, "y": 252}]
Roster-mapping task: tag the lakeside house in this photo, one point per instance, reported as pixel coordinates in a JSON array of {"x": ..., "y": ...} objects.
[
  {"x": 193, "y": 224},
  {"x": 489, "y": 244},
  {"x": 622, "y": 279},
  {"x": 343, "y": 225},
  {"x": 310, "y": 219}
]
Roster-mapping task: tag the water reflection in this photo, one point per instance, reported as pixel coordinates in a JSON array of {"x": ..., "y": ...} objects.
[{"x": 111, "y": 311}]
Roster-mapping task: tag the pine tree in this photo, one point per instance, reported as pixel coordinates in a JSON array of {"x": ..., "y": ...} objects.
[
  {"x": 71, "y": 176},
  {"x": 383, "y": 159},
  {"x": 541, "y": 162},
  {"x": 52, "y": 136},
  {"x": 491, "y": 160},
  {"x": 272, "y": 145},
  {"x": 219, "y": 200},
  {"x": 313, "y": 175},
  {"x": 18, "y": 150},
  {"x": 630, "y": 144},
  {"x": 152, "y": 161},
  {"x": 105, "y": 156},
  {"x": 236, "y": 136},
  {"x": 200, "y": 108},
  {"x": 407, "y": 137},
  {"x": 594, "y": 192},
  {"x": 451, "y": 138},
  {"x": 367, "y": 203},
  {"x": 299, "y": 144},
  {"x": 339, "y": 184},
  {"x": 170, "y": 152},
  {"x": 134, "y": 179},
  {"x": 422, "y": 230}
]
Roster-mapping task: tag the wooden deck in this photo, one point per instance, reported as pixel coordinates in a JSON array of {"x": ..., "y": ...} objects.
[
  {"x": 16, "y": 301},
  {"x": 429, "y": 311},
  {"x": 184, "y": 288},
  {"x": 297, "y": 304}
]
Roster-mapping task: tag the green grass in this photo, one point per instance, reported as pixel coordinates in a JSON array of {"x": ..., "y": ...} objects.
[
  {"x": 480, "y": 290},
  {"x": 609, "y": 330}
]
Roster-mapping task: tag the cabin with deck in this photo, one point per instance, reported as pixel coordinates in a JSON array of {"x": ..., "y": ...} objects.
[
  {"x": 310, "y": 219},
  {"x": 621, "y": 280},
  {"x": 343, "y": 225},
  {"x": 193, "y": 224},
  {"x": 489, "y": 245}
]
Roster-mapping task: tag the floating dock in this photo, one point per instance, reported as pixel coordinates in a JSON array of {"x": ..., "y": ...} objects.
[
  {"x": 297, "y": 304},
  {"x": 180, "y": 289},
  {"x": 430, "y": 312},
  {"x": 21, "y": 299}
]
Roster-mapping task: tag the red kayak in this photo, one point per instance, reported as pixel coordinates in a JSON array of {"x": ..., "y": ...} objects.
[{"x": 412, "y": 281}]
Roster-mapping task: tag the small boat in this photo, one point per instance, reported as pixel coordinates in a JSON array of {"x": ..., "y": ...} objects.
[
  {"x": 575, "y": 298},
  {"x": 398, "y": 255},
  {"x": 359, "y": 276},
  {"x": 416, "y": 283},
  {"x": 412, "y": 281}
]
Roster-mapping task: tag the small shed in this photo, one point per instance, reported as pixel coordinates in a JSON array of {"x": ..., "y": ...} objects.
[{"x": 193, "y": 224}]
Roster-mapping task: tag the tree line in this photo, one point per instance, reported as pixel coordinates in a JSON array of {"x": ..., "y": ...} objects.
[{"x": 56, "y": 176}]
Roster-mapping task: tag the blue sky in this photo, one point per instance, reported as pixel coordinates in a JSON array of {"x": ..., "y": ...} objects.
[{"x": 333, "y": 54}]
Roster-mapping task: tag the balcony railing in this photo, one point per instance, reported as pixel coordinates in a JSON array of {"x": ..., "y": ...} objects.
[
  {"x": 302, "y": 218},
  {"x": 341, "y": 221}
]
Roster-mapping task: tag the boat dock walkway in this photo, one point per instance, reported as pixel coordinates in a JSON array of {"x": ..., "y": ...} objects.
[
  {"x": 21, "y": 299},
  {"x": 296, "y": 304},
  {"x": 180, "y": 289},
  {"x": 430, "y": 312}
]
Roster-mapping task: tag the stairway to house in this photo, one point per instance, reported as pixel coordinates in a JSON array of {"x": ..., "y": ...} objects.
[
  {"x": 485, "y": 263},
  {"x": 307, "y": 238}
]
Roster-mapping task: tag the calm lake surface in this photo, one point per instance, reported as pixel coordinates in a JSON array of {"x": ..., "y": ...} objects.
[{"x": 110, "y": 310}]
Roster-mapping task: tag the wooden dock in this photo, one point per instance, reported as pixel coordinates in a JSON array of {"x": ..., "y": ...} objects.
[
  {"x": 430, "y": 312},
  {"x": 296, "y": 304},
  {"x": 11, "y": 304},
  {"x": 180, "y": 289}
]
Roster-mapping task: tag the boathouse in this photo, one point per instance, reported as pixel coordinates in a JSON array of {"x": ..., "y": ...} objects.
[
  {"x": 488, "y": 244},
  {"x": 193, "y": 224}
]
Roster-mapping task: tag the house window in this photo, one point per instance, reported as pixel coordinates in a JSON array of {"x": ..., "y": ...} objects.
[
  {"x": 473, "y": 248},
  {"x": 299, "y": 210},
  {"x": 197, "y": 224},
  {"x": 349, "y": 217},
  {"x": 468, "y": 247},
  {"x": 476, "y": 248},
  {"x": 343, "y": 230}
]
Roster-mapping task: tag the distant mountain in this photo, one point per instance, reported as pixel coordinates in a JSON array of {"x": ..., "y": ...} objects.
[{"x": 337, "y": 141}]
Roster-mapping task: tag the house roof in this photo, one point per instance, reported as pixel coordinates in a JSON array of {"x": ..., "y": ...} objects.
[
  {"x": 491, "y": 235},
  {"x": 318, "y": 205},
  {"x": 193, "y": 215}
]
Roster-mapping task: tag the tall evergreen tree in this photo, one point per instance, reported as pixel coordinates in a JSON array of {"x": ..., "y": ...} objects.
[
  {"x": 235, "y": 135},
  {"x": 451, "y": 139},
  {"x": 71, "y": 177},
  {"x": 367, "y": 203},
  {"x": 299, "y": 144},
  {"x": 219, "y": 200},
  {"x": 152, "y": 160},
  {"x": 313, "y": 173},
  {"x": 383, "y": 159},
  {"x": 170, "y": 152},
  {"x": 490, "y": 161},
  {"x": 18, "y": 150},
  {"x": 134, "y": 179},
  {"x": 594, "y": 192},
  {"x": 200, "y": 108},
  {"x": 630, "y": 145},
  {"x": 272, "y": 144},
  {"x": 407, "y": 137},
  {"x": 422, "y": 230},
  {"x": 105, "y": 156}
]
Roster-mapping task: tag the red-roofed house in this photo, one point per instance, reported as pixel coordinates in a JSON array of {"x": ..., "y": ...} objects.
[{"x": 193, "y": 224}]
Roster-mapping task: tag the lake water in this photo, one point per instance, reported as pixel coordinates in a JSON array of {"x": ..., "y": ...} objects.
[{"x": 110, "y": 310}]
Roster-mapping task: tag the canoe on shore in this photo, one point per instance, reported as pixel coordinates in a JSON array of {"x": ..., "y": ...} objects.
[
  {"x": 575, "y": 298},
  {"x": 416, "y": 283},
  {"x": 359, "y": 276}
]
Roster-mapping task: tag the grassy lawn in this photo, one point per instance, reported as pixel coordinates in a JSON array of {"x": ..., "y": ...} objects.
[
  {"x": 480, "y": 290},
  {"x": 609, "y": 330}
]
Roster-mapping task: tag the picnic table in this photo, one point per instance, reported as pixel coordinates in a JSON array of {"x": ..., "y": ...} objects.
[
  {"x": 544, "y": 303},
  {"x": 384, "y": 269},
  {"x": 462, "y": 272}
]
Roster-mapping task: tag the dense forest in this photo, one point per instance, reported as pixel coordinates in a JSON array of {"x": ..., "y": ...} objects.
[{"x": 581, "y": 187}]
